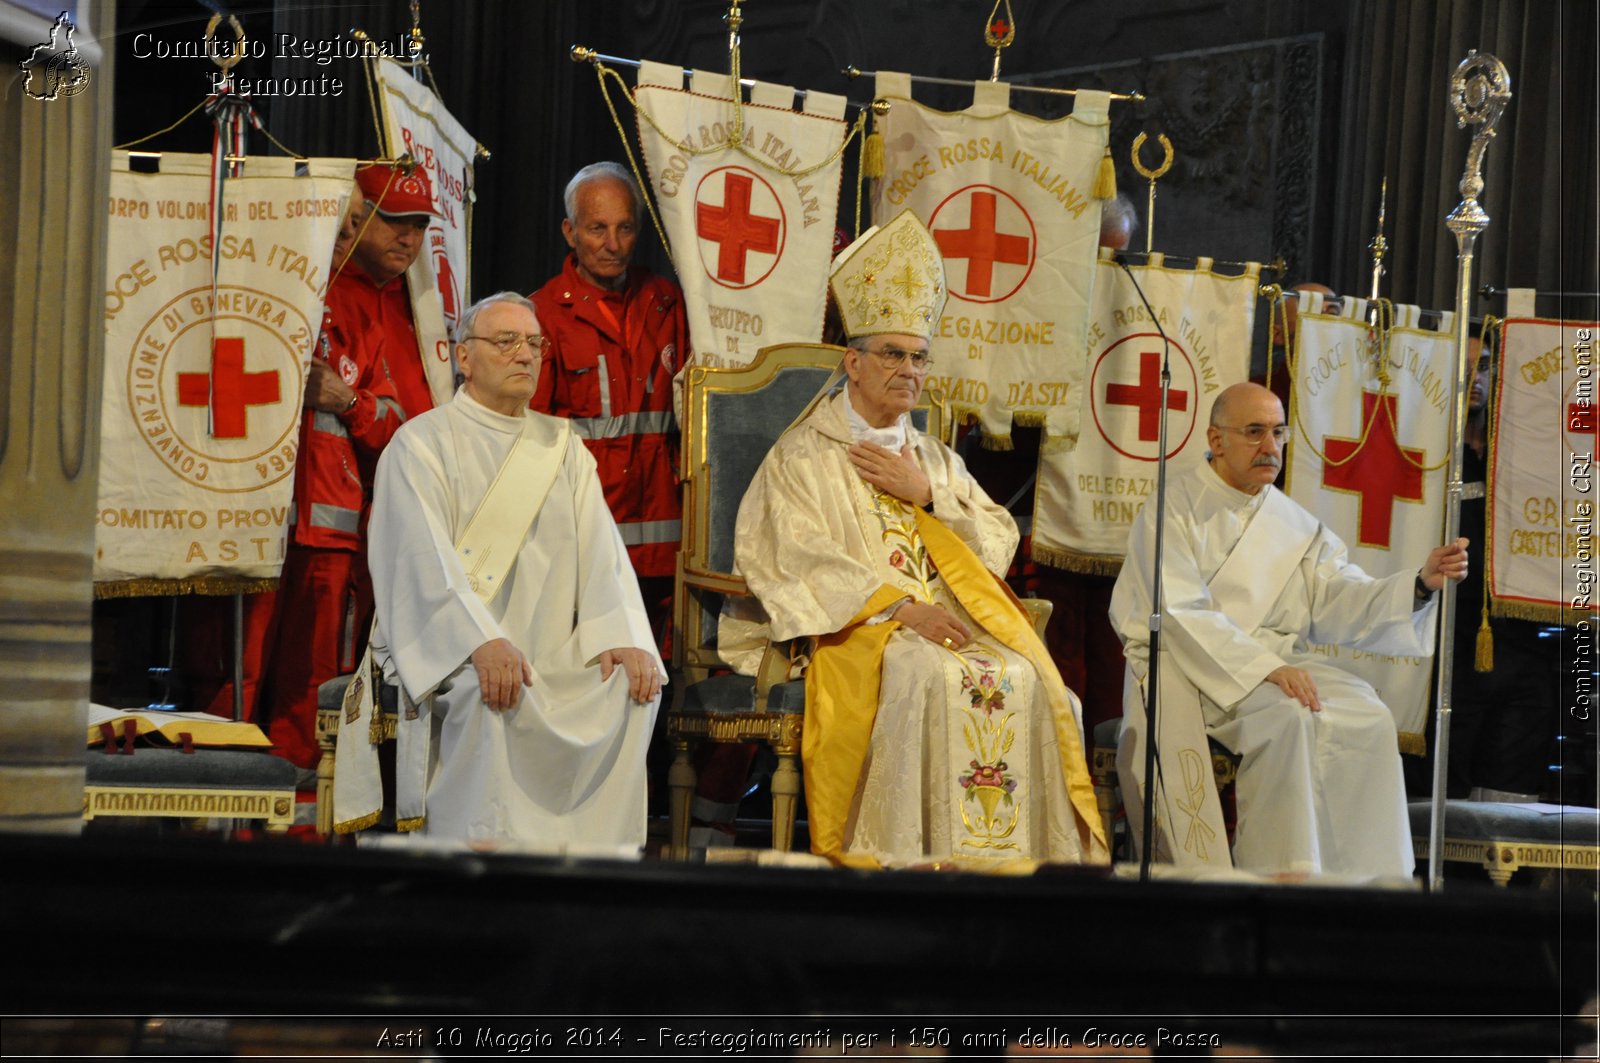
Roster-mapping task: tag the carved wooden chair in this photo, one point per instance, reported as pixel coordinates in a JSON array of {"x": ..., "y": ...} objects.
[{"x": 732, "y": 417}]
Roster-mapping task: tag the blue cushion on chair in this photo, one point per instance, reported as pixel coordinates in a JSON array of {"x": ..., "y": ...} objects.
[
  {"x": 737, "y": 693},
  {"x": 152, "y": 766}
]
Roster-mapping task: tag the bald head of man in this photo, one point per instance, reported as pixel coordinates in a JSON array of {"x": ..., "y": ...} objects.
[{"x": 1247, "y": 436}]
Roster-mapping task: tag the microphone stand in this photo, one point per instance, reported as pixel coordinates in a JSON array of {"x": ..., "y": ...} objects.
[{"x": 1156, "y": 610}]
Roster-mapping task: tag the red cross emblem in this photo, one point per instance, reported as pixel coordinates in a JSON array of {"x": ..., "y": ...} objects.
[
  {"x": 989, "y": 231},
  {"x": 740, "y": 222},
  {"x": 1146, "y": 396},
  {"x": 1381, "y": 473},
  {"x": 228, "y": 390},
  {"x": 1127, "y": 413}
]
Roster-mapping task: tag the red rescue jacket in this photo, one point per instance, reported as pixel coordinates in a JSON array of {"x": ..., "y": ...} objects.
[{"x": 609, "y": 371}]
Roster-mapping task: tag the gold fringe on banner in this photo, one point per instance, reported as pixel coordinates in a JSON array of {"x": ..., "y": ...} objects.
[
  {"x": 1073, "y": 561},
  {"x": 1541, "y": 612},
  {"x": 1413, "y": 744},
  {"x": 165, "y": 588},
  {"x": 996, "y": 443}
]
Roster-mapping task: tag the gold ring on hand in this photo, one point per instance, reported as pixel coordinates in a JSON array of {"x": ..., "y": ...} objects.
[{"x": 949, "y": 644}]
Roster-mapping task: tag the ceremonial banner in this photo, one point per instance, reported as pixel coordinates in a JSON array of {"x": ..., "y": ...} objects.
[
  {"x": 748, "y": 195},
  {"x": 1009, "y": 200},
  {"x": 1542, "y": 476},
  {"x": 207, "y": 345},
  {"x": 415, "y": 123},
  {"x": 1088, "y": 495},
  {"x": 1370, "y": 459}
]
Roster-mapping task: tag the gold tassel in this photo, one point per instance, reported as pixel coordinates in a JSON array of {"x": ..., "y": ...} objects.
[
  {"x": 1105, "y": 179},
  {"x": 1483, "y": 655},
  {"x": 872, "y": 156}
]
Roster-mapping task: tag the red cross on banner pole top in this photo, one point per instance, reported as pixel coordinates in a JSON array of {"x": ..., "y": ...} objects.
[
  {"x": 982, "y": 244},
  {"x": 1146, "y": 395},
  {"x": 1380, "y": 473},
  {"x": 228, "y": 390},
  {"x": 735, "y": 229}
]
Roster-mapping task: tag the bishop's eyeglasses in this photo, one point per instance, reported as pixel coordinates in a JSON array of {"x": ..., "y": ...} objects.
[{"x": 895, "y": 357}]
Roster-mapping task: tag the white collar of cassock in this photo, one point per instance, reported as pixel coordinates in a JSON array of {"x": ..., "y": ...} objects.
[
  {"x": 891, "y": 438},
  {"x": 477, "y": 411}
]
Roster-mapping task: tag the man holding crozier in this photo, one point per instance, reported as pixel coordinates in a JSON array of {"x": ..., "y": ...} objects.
[{"x": 1250, "y": 581}]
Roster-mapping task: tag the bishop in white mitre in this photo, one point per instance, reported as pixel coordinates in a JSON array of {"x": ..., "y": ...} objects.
[
  {"x": 508, "y": 612},
  {"x": 1249, "y": 580},
  {"x": 937, "y": 729}
]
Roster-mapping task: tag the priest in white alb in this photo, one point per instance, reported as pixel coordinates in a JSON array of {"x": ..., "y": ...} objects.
[
  {"x": 508, "y": 612},
  {"x": 937, "y": 730},
  {"x": 1249, "y": 580}
]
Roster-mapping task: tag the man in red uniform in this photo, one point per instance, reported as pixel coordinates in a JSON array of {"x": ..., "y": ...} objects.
[
  {"x": 618, "y": 336},
  {"x": 365, "y": 380}
]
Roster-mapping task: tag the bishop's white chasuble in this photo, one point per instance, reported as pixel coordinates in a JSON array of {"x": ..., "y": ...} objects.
[{"x": 975, "y": 751}]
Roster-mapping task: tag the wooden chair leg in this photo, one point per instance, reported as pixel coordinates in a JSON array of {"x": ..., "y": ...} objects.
[
  {"x": 325, "y": 741},
  {"x": 680, "y": 796},
  {"x": 785, "y": 797}
]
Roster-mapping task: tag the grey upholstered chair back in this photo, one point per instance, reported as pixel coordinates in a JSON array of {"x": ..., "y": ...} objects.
[{"x": 741, "y": 427}]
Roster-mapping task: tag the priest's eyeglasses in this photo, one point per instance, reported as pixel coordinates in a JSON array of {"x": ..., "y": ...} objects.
[
  {"x": 1255, "y": 433},
  {"x": 509, "y": 343},
  {"x": 895, "y": 357}
]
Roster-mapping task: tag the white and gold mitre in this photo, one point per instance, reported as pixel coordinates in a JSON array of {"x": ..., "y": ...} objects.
[{"x": 890, "y": 280}]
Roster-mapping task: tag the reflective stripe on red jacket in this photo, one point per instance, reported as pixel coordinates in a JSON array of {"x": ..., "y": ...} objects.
[{"x": 609, "y": 370}]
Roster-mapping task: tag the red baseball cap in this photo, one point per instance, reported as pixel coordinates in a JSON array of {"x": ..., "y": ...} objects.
[{"x": 395, "y": 193}]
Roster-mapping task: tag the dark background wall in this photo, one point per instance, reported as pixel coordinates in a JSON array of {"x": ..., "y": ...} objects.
[{"x": 1286, "y": 115}]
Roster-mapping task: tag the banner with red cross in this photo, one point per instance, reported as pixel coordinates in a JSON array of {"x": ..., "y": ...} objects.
[
  {"x": 416, "y": 123},
  {"x": 1088, "y": 495},
  {"x": 207, "y": 344},
  {"x": 748, "y": 196},
  {"x": 1369, "y": 457},
  {"x": 1009, "y": 199},
  {"x": 1541, "y": 476}
]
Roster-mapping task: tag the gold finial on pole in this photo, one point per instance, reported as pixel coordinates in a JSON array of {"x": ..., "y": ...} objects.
[
  {"x": 999, "y": 32},
  {"x": 1380, "y": 245},
  {"x": 734, "y": 18},
  {"x": 417, "y": 41},
  {"x": 226, "y": 56},
  {"x": 1479, "y": 90},
  {"x": 1152, "y": 176}
]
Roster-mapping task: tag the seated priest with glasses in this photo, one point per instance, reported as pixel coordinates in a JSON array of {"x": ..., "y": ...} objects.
[
  {"x": 937, "y": 730},
  {"x": 1249, "y": 579},
  {"x": 508, "y": 612}
]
